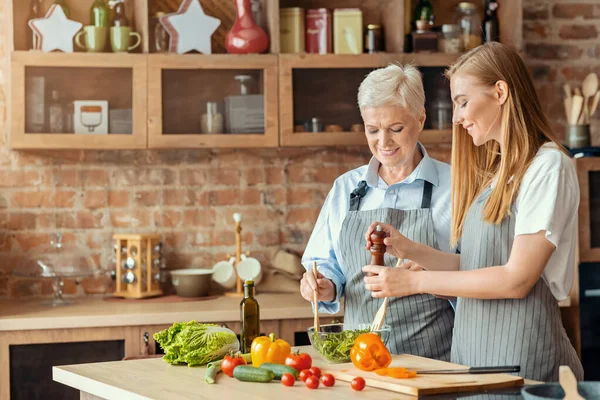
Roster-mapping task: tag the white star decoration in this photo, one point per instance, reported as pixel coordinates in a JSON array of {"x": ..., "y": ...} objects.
[
  {"x": 55, "y": 30},
  {"x": 189, "y": 28}
]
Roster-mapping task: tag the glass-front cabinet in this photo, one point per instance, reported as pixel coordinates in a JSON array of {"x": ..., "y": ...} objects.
[
  {"x": 212, "y": 101},
  {"x": 74, "y": 101}
]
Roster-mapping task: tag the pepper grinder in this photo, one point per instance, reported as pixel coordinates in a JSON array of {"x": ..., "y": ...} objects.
[{"x": 377, "y": 248}]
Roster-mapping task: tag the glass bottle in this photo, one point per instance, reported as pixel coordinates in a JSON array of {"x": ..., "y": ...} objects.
[
  {"x": 250, "y": 315},
  {"x": 34, "y": 12},
  {"x": 212, "y": 121},
  {"x": 56, "y": 114},
  {"x": 64, "y": 6},
  {"x": 99, "y": 14},
  {"x": 470, "y": 23},
  {"x": 161, "y": 36},
  {"x": 491, "y": 28},
  {"x": 120, "y": 18}
]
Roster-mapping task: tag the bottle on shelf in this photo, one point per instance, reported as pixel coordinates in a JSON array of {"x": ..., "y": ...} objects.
[
  {"x": 34, "y": 12},
  {"x": 161, "y": 36},
  {"x": 491, "y": 28},
  {"x": 99, "y": 14},
  {"x": 56, "y": 114},
  {"x": 120, "y": 17},
  {"x": 250, "y": 317},
  {"x": 64, "y": 6},
  {"x": 212, "y": 121}
]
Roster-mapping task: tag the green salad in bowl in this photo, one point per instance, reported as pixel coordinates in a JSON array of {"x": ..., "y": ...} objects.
[{"x": 334, "y": 341}]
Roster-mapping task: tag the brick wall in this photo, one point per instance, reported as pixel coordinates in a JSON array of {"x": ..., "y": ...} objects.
[{"x": 190, "y": 196}]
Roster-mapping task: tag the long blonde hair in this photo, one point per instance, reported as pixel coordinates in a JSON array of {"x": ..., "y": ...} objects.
[{"x": 524, "y": 129}]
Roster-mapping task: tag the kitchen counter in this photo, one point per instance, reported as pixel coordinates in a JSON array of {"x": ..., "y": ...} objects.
[
  {"x": 16, "y": 315},
  {"x": 155, "y": 379}
]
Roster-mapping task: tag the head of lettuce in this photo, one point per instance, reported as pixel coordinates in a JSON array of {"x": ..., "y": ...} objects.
[{"x": 193, "y": 343}]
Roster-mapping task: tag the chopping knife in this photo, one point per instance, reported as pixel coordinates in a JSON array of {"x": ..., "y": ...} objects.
[{"x": 474, "y": 370}]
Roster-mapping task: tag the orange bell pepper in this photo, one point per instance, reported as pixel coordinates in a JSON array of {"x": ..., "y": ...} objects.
[
  {"x": 369, "y": 353},
  {"x": 266, "y": 349}
]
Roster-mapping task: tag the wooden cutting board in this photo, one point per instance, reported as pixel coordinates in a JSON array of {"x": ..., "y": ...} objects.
[{"x": 422, "y": 384}]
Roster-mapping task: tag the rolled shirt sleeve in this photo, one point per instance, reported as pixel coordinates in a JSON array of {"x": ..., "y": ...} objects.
[{"x": 320, "y": 249}]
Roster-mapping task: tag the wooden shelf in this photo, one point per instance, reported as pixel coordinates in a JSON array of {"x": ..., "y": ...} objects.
[
  {"x": 128, "y": 90},
  {"x": 300, "y": 139},
  {"x": 201, "y": 87},
  {"x": 304, "y": 60}
]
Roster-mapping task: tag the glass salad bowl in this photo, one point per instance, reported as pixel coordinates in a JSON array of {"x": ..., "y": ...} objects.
[{"x": 334, "y": 341}]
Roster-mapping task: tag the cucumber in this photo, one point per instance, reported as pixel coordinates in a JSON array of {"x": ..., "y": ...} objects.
[
  {"x": 248, "y": 373},
  {"x": 280, "y": 369}
]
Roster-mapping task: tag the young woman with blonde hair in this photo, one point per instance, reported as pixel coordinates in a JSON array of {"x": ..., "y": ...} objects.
[{"x": 514, "y": 211}]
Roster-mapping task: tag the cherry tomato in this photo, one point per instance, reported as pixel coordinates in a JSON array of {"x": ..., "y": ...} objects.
[
  {"x": 305, "y": 373},
  {"x": 328, "y": 380},
  {"x": 358, "y": 383},
  {"x": 229, "y": 363},
  {"x": 299, "y": 361},
  {"x": 288, "y": 379},
  {"x": 316, "y": 371},
  {"x": 312, "y": 382}
]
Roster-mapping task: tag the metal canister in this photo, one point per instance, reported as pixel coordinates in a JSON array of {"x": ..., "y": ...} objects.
[
  {"x": 291, "y": 30},
  {"x": 374, "y": 39},
  {"x": 318, "y": 37}
]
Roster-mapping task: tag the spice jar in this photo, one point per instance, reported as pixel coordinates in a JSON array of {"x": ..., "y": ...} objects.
[
  {"x": 374, "y": 39},
  {"x": 212, "y": 121},
  {"x": 451, "y": 39},
  {"x": 291, "y": 30},
  {"x": 470, "y": 24}
]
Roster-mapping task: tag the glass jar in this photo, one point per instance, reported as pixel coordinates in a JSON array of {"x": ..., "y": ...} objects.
[
  {"x": 374, "y": 39},
  {"x": 161, "y": 36},
  {"x": 451, "y": 39},
  {"x": 470, "y": 23},
  {"x": 441, "y": 109}
]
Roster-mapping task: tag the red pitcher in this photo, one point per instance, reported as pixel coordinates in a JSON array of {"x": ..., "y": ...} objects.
[{"x": 245, "y": 36}]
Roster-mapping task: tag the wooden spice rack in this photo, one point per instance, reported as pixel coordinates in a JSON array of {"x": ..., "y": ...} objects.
[{"x": 165, "y": 118}]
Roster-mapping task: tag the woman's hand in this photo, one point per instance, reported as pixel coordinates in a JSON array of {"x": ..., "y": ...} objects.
[
  {"x": 411, "y": 266},
  {"x": 396, "y": 243},
  {"x": 308, "y": 284},
  {"x": 392, "y": 282}
]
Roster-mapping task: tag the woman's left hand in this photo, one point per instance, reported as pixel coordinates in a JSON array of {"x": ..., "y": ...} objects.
[{"x": 391, "y": 282}]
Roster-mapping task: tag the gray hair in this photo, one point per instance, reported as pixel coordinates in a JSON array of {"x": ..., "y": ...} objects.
[{"x": 395, "y": 85}]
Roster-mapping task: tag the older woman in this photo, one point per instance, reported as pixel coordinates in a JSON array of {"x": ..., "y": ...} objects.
[{"x": 401, "y": 186}]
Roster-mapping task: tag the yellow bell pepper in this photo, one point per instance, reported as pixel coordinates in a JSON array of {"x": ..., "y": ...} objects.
[{"x": 266, "y": 349}]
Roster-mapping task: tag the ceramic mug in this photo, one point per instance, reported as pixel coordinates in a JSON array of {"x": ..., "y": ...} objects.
[
  {"x": 95, "y": 38},
  {"x": 250, "y": 268},
  {"x": 224, "y": 274},
  {"x": 120, "y": 38}
]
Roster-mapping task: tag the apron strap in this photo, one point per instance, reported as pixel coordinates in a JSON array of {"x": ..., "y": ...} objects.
[
  {"x": 427, "y": 189},
  {"x": 357, "y": 194}
]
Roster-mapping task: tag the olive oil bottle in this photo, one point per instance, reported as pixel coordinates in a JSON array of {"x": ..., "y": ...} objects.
[{"x": 250, "y": 316}]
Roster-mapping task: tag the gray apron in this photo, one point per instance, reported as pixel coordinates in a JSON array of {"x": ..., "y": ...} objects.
[
  {"x": 526, "y": 332},
  {"x": 421, "y": 324}
]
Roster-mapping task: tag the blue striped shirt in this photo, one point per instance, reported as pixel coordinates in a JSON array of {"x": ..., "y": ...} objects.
[{"x": 323, "y": 244}]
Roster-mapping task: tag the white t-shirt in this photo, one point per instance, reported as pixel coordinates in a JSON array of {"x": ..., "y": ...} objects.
[{"x": 548, "y": 200}]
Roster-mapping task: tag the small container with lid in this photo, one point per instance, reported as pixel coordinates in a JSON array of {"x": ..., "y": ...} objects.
[
  {"x": 374, "y": 39},
  {"x": 451, "y": 39},
  {"x": 291, "y": 30},
  {"x": 212, "y": 121},
  {"x": 318, "y": 31},
  {"x": 347, "y": 31},
  {"x": 470, "y": 22}
]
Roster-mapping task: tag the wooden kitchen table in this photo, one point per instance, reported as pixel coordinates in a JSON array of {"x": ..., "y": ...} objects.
[{"x": 155, "y": 379}]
